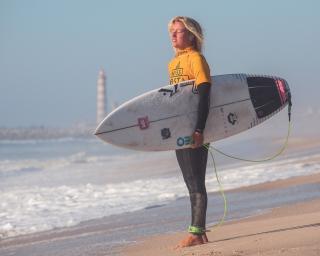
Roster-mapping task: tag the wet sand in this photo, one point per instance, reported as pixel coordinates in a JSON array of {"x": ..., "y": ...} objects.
[{"x": 287, "y": 230}]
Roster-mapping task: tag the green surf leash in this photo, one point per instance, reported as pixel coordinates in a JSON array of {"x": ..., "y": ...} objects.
[{"x": 221, "y": 190}]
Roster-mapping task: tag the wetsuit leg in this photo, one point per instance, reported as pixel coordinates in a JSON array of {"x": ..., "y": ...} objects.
[{"x": 193, "y": 163}]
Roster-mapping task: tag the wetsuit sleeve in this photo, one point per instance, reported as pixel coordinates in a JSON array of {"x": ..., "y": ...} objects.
[{"x": 203, "y": 107}]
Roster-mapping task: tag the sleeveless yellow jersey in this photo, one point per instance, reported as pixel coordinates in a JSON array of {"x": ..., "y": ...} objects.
[{"x": 187, "y": 65}]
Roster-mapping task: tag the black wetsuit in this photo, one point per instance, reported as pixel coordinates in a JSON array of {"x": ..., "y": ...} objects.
[
  {"x": 186, "y": 65},
  {"x": 193, "y": 164}
]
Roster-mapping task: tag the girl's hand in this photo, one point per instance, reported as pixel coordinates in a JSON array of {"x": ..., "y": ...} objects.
[{"x": 197, "y": 139}]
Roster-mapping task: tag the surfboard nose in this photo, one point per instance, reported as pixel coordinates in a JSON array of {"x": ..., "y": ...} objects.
[
  {"x": 268, "y": 94},
  {"x": 102, "y": 132},
  {"x": 98, "y": 130},
  {"x": 101, "y": 128}
]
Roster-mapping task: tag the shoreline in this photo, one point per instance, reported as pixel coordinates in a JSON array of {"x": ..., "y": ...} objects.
[
  {"x": 278, "y": 232},
  {"x": 93, "y": 237},
  {"x": 289, "y": 229}
]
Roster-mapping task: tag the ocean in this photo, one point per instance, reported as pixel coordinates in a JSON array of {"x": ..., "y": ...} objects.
[{"x": 47, "y": 185}]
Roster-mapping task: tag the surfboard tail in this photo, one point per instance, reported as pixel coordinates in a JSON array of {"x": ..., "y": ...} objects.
[{"x": 268, "y": 94}]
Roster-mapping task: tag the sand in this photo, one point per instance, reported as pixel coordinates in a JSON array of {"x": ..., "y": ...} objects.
[{"x": 287, "y": 230}]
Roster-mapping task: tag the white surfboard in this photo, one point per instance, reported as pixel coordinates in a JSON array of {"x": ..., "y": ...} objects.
[{"x": 165, "y": 118}]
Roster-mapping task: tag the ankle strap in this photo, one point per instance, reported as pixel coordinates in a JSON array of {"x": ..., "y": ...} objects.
[{"x": 196, "y": 230}]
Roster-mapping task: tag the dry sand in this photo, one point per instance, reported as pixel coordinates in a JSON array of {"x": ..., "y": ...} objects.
[{"x": 287, "y": 230}]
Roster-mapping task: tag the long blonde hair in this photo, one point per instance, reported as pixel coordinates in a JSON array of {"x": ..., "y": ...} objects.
[{"x": 193, "y": 27}]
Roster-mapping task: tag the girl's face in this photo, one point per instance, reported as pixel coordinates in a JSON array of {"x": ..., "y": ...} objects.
[{"x": 180, "y": 36}]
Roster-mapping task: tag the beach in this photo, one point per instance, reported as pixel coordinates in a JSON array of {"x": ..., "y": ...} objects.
[
  {"x": 62, "y": 200},
  {"x": 292, "y": 229},
  {"x": 99, "y": 98}
]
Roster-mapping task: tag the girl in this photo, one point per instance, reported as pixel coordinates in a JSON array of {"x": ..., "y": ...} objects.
[{"x": 187, "y": 39}]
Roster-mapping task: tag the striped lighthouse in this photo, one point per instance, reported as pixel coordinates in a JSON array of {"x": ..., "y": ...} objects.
[{"x": 101, "y": 96}]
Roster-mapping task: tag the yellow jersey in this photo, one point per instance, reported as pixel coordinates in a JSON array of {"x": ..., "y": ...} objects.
[{"x": 187, "y": 65}]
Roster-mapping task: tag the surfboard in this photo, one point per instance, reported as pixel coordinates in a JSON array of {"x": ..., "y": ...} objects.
[{"x": 165, "y": 118}]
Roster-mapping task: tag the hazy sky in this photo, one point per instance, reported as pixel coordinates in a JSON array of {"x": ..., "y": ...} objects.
[{"x": 51, "y": 51}]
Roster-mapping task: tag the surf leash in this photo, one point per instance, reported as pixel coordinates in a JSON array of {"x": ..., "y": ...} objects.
[
  {"x": 211, "y": 149},
  {"x": 221, "y": 190}
]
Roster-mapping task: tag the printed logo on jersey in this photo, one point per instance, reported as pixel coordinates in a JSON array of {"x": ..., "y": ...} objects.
[{"x": 177, "y": 75}]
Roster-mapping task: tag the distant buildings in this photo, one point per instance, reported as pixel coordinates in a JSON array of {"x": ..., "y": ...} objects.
[
  {"x": 79, "y": 130},
  {"x": 43, "y": 133}
]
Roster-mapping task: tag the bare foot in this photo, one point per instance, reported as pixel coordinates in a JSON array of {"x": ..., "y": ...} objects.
[
  {"x": 191, "y": 240},
  {"x": 205, "y": 238}
]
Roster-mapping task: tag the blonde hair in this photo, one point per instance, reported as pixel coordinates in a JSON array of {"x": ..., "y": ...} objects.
[{"x": 193, "y": 27}]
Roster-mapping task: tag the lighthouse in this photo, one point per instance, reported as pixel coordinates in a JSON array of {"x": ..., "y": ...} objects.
[{"x": 101, "y": 96}]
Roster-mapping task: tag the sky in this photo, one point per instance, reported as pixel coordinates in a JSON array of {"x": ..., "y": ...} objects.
[{"x": 51, "y": 51}]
